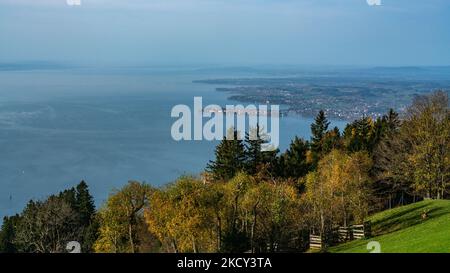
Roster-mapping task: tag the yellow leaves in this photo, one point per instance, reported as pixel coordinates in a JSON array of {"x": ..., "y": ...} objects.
[
  {"x": 309, "y": 157},
  {"x": 119, "y": 216},
  {"x": 189, "y": 215},
  {"x": 338, "y": 190},
  {"x": 240, "y": 182},
  {"x": 182, "y": 213},
  {"x": 426, "y": 133}
]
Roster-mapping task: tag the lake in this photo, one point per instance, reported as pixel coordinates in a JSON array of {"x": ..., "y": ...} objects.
[{"x": 102, "y": 126}]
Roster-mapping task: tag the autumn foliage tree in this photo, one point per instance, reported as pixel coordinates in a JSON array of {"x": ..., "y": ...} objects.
[
  {"x": 121, "y": 219},
  {"x": 46, "y": 226},
  {"x": 182, "y": 217},
  {"x": 338, "y": 192},
  {"x": 256, "y": 201},
  {"x": 239, "y": 215},
  {"x": 417, "y": 156}
]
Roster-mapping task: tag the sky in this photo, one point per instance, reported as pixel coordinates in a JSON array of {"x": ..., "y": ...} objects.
[{"x": 227, "y": 32}]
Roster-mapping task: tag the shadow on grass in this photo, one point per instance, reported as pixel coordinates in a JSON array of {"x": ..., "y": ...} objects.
[{"x": 407, "y": 218}]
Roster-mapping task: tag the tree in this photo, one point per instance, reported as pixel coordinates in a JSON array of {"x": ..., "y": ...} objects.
[
  {"x": 339, "y": 191},
  {"x": 294, "y": 162},
  {"x": 365, "y": 134},
  {"x": 230, "y": 157},
  {"x": 82, "y": 202},
  {"x": 185, "y": 216},
  {"x": 272, "y": 215},
  {"x": 331, "y": 140},
  {"x": 428, "y": 128},
  {"x": 47, "y": 227},
  {"x": 415, "y": 158},
  {"x": 256, "y": 157},
  {"x": 236, "y": 239},
  {"x": 357, "y": 187},
  {"x": 120, "y": 218},
  {"x": 391, "y": 121},
  {"x": 8, "y": 235},
  {"x": 84, "y": 205},
  {"x": 253, "y": 145},
  {"x": 318, "y": 130},
  {"x": 360, "y": 134}
]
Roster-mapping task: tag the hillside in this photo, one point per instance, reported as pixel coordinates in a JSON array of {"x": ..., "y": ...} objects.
[{"x": 402, "y": 230}]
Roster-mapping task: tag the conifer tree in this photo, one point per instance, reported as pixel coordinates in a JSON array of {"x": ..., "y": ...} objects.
[
  {"x": 318, "y": 130},
  {"x": 332, "y": 140},
  {"x": 255, "y": 154},
  {"x": 86, "y": 210},
  {"x": 360, "y": 135},
  {"x": 84, "y": 203},
  {"x": 294, "y": 161},
  {"x": 230, "y": 157},
  {"x": 253, "y": 145},
  {"x": 7, "y": 235},
  {"x": 392, "y": 121}
]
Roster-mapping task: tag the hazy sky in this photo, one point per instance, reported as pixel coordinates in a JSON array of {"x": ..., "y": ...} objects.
[{"x": 318, "y": 32}]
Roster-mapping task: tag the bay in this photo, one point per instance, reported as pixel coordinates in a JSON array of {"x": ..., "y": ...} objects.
[{"x": 58, "y": 127}]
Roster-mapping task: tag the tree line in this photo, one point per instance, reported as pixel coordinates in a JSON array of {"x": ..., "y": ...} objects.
[{"x": 253, "y": 201}]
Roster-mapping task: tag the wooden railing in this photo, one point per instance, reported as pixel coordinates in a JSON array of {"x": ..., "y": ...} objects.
[
  {"x": 315, "y": 241},
  {"x": 361, "y": 231},
  {"x": 341, "y": 234}
]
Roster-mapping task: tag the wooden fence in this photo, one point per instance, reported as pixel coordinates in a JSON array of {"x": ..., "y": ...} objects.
[
  {"x": 344, "y": 234},
  {"x": 315, "y": 241},
  {"x": 361, "y": 231},
  {"x": 340, "y": 235}
]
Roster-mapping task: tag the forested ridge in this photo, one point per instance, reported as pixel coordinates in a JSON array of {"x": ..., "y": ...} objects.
[{"x": 247, "y": 200}]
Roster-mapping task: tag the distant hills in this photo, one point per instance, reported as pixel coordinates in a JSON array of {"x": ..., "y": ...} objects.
[{"x": 35, "y": 65}]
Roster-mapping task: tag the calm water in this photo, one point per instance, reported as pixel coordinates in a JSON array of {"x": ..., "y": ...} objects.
[{"x": 58, "y": 128}]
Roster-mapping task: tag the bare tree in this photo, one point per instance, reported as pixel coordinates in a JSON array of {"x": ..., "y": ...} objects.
[{"x": 47, "y": 227}]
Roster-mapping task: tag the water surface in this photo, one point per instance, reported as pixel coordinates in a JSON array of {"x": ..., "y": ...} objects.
[{"x": 60, "y": 127}]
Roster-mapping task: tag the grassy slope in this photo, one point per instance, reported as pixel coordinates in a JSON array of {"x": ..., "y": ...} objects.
[{"x": 402, "y": 230}]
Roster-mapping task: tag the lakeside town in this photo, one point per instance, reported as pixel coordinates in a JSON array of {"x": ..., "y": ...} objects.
[{"x": 344, "y": 97}]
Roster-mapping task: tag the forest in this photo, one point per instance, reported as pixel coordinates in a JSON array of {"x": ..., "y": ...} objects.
[{"x": 251, "y": 201}]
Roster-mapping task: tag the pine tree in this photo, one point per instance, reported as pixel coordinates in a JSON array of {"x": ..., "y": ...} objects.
[
  {"x": 253, "y": 144},
  {"x": 230, "y": 157},
  {"x": 361, "y": 135},
  {"x": 84, "y": 203},
  {"x": 294, "y": 160},
  {"x": 255, "y": 156},
  {"x": 318, "y": 130},
  {"x": 69, "y": 196},
  {"x": 86, "y": 209},
  {"x": 392, "y": 121},
  {"x": 384, "y": 126},
  {"x": 365, "y": 128},
  {"x": 7, "y": 235},
  {"x": 332, "y": 140}
]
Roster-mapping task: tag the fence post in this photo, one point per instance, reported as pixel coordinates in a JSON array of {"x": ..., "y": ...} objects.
[{"x": 315, "y": 241}]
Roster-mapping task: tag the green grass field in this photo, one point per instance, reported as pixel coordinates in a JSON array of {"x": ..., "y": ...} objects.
[{"x": 402, "y": 230}]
